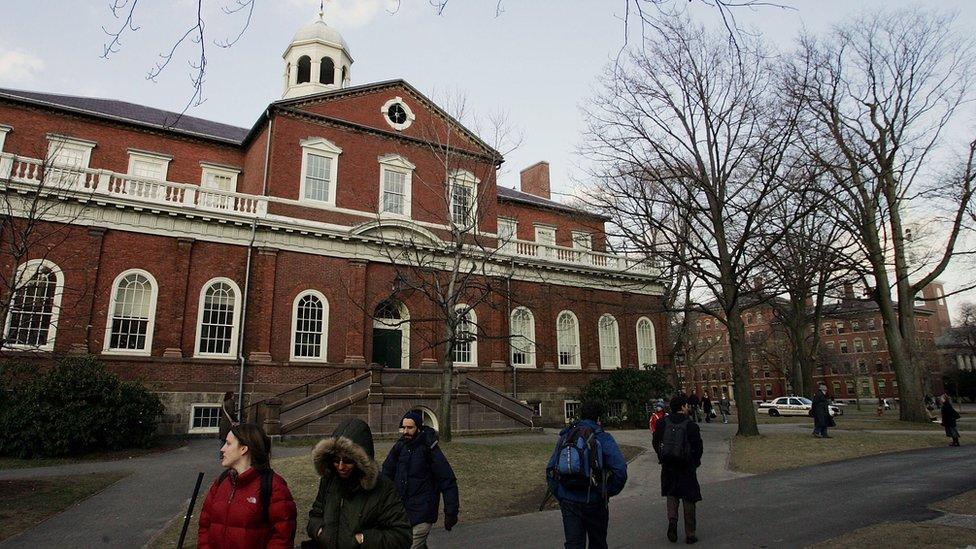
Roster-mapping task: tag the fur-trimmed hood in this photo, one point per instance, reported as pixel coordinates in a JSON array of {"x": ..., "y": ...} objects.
[{"x": 351, "y": 439}]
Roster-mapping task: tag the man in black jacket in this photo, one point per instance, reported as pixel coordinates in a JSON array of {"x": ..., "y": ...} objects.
[
  {"x": 821, "y": 413},
  {"x": 679, "y": 478},
  {"x": 421, "y": 474}
]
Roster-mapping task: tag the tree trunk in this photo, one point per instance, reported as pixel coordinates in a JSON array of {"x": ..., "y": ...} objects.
[{"x": 746, "y": 412}]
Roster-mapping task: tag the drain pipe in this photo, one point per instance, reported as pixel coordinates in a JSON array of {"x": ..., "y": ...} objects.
[
  {"x": 247, "y": 278},
  {"x": 508, "y": 306}
]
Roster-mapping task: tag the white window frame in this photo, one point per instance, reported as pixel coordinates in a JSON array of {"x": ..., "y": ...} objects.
[
  {"x": 161, "y": 161},
  {"x": 566, "y": 417},
  {"x": 467, "y": 179},
  {"x": 207, "y": 170},
  {"x": 32, "y": 267},
  {"x": 151, "y": 321},
  {"x": 529, "y": 349},
  {"x": 607, "y": 326},
  {"x": 582, "y": 240},
  {"x": 474, "y": 341},
  {"x": 541, "y": 230},
  {"x": 396, "y": 164},
  {"x": 577, "y": 361},
  {"x": 4, "y": 130},
  {"x": 406, "y": 108},
  {"x": 235, "y": 328},
  {"x": 190, "y": 429},
  {"x": 324, "y": 346},
  {"x": 507, "y": 222},
  {"x": 58, "y": 143},
  {"x": 320, "y": 146},
  {"x": 643, "y": 350}
]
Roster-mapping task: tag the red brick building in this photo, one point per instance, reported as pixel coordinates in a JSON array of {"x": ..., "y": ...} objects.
[
  {"x": 853, "y": 356},
  {"x": 192, "y": 255}
]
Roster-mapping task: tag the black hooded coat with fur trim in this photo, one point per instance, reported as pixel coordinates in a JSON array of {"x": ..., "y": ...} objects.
[{"x": 367, "y": 504}]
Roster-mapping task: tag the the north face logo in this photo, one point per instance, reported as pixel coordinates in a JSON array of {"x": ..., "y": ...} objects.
[{"x": 252, "y": 499}]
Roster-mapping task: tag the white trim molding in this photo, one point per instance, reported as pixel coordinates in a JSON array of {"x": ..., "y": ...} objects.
[
  {"x": 575, "y": 357},
  {"x": 519, "y": 342},
  {"x": 59, "y": 144},
  {"x": 320, "y": 147},
  {"x": 29, "y": 269},
  {"x": 4, "y": 130},
  {"x": 323, "y": 355},
  {"x": 470, "y": 323},
  {"x": 154, "y": 160},
  {"x": 151, "y": 319},
  {"x": 193, "y": 409},
  {"x": 406, "y": 109},
  {"x": 467, "y": 179},
  {"x": 394, "y": 163},
  {"x": 210, "y": 171}
]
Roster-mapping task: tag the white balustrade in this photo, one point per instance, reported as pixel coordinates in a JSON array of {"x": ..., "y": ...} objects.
[{"x": 576, "y": 256}]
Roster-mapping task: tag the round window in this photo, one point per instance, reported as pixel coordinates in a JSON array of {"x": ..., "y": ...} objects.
[{"x": 396, "y": 114}]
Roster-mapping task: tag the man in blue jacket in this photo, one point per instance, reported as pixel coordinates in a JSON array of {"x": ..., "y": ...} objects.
[
  {"x": 585, "y": 511},
  {"x": 421, "y": 474}
]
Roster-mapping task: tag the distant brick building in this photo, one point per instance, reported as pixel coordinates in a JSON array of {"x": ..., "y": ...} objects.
[
  {"x": 854, "y": 361},
  {"x": 196, "y": 250}
]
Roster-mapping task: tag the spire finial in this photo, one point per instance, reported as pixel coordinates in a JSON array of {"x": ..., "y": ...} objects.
[{"x": 321, "y": 10}]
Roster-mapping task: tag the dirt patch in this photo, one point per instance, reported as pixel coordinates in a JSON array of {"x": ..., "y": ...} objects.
[
  {"x": 115, "y": 455},
  {"x": 904, "y": 534},
  {"x": 25, "y": 503},
  {"x": 963, "y": 504}
]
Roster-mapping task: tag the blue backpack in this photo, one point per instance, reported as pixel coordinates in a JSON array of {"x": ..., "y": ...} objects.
[{"x": 579, "y": 460}]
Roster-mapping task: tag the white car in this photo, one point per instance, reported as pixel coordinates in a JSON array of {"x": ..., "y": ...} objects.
[{"x": 794, "y": 406}]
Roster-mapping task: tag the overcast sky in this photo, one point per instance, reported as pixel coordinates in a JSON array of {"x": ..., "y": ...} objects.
[{"x": 537, "y": 60}]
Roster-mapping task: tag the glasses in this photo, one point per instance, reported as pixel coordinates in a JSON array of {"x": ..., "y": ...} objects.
[{"x": 343, "y": 461}]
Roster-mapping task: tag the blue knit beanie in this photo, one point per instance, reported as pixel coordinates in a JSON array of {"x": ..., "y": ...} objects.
[{"x": 416, "y": 416}]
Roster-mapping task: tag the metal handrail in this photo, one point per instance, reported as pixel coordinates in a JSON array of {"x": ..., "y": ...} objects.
[{"x": 306, "y": 386}]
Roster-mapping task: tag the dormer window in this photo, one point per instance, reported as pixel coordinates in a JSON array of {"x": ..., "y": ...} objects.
[
  {"x": 396, "y": 177},
  {"x": 219, "y": 178},
  {"x": 320, "y": 166},
  {"x": 149, "y": 165}
]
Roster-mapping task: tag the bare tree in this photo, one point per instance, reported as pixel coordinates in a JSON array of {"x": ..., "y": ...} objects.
[
  {"x": 693, "y": 116},
  {"x": 878, "y": 95}
]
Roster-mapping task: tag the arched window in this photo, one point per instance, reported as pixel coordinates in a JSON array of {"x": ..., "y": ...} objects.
[
  {"x": 132, "y": 313},
  {"x": 567, "y": 340},
  {"x": 33, "y": 317},
  {"x": 310, "y": 327},
  {"x": 217, "y": 323},
  {"x": 327, "y": 71},
  {"x": 748, "y": 318},
  {"x": 646, "y": 342},
  {"x": 466, "y": 342},
  {"x": 522, "y": 328},
  {"x": 304, "y": 69},
  {"x": 609, "y": 342}
]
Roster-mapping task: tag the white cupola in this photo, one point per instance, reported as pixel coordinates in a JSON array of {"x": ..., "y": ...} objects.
[{"x": 317, "y": 60}]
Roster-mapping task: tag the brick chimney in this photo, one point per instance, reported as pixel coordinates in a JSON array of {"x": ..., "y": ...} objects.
[{"x": 534, "y": 180}]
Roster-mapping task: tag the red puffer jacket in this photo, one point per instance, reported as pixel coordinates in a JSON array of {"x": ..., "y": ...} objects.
[{"x": 232, "y": 517}]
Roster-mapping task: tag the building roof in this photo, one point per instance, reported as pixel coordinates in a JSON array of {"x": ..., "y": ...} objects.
[
  {"x": 318, "y": 30},
  {"x": 512, "y": 195},
  {"x": 855, "y": 306},
  {"x": 131, "y": 113}
]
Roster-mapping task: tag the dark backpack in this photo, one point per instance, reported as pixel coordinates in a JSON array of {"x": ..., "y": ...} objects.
[
  {"x": 675, "y": 448},
  {"x": 267, "y": 477},
  {"x": 579, "y": 459}
]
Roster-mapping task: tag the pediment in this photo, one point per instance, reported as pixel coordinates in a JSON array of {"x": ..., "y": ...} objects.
[{"x": 399, "y": 231}]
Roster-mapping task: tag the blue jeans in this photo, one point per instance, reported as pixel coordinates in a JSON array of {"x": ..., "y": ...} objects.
[{"x": 585, "y": 520}]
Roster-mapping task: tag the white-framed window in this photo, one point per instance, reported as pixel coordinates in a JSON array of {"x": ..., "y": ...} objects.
[
  {"x": 396, "y": 112},
  {"x": 4, "y": 130},
  {"x": 32, "y": 320},
  {"x": 646, "y": 342},
  {"x": 149, "y": 165},
  {"x": 567, "y": 340},
  {"x": 507, "y": 230},
  {"x": 769, "y": 390},
  {"x": 218, "y": 178},
  {"x": 320, "y": 168},
  {"x": 571, "y": 410},
  {"x": 466, "y": 342},
  {"x": 582, "y": 241},
  {"x": 522, "y": 327},
  {"x": 131, "y": 313},
  {"x": 310, "y": 327},
  {"x": 609, "y": 342},
  {"x": 858, "y": 346},
  {"x": 204, "y": 418},
  {"x": 68, "y": 152},
  {"x": 396, "y": 181},
  {"x": 545, "y": 235},
  {"x": 463, "y": 188},
  {"x": 218, "y": 318}
]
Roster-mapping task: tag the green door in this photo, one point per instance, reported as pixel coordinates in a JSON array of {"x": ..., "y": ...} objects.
[{"x": 387, "y": 347}]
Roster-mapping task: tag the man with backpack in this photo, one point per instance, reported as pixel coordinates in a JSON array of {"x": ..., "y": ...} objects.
[
  {"x": 679, "y": 449},
  {"x": 586, "y": 469},
  {"x": 422, "y": 474}
]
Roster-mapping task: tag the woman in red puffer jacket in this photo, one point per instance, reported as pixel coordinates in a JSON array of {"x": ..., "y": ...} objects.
[{"x": 237, "y": 513}]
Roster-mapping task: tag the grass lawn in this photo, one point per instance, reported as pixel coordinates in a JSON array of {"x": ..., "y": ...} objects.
[
  {"x": 114, "y": 455},
  {"x": 766, "y": 453},
  {"x": 494, "y": 480},
  {"x": 913, "y": 534},
  {"x": 853, "y": 419},
  {"x": 24, "y": 503}
]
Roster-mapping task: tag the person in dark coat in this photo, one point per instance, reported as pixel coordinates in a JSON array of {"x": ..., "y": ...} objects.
[
  {"x": 679, "y": 482},
  {"x": 422, "y": 474},
  {"x": 355, "y": 506},
  {"x": 585, "y": 512},
  {"x": 821, "y": 413},
  {"x": 707, "y": 408},
  {"x": 949, "y": 417},
  {"x": 693, "y": 404}
]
